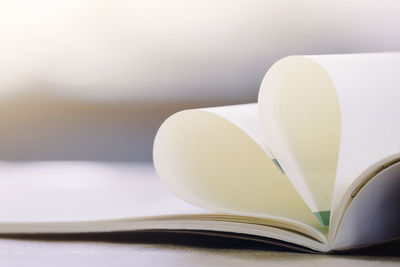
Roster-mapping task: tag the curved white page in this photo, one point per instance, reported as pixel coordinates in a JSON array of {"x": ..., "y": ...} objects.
[
  {"x": 368, "y": 88},
  {"x": 300, "y": 116},
  {"x": 247, "y": 119},
  {"x": 213, "y": 158},
  {"x": 354, "y": 97},
  {"x": 372, "y": 216}
]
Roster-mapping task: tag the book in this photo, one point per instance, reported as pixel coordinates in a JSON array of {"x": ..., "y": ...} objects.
[
  {"x": 314, "y": 165},
  {"x": 319, "y": 152}
]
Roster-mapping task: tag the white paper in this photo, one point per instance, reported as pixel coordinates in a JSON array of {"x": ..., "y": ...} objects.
[
  {"x": 300, "y": 115},
  {"x": 213, "y": 158},
  {"x": 367, "y": 86},
  {"x": 84, "y": 191},
  {"x": 373, "y": 215}
]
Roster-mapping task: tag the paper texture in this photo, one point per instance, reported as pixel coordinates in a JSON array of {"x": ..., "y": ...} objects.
[
  {"x": 84, "y": 191},
  {"x": 366, "y": 89},
  {"x": 76, "y": 197},
  {"x": 300, "y": 116},
  {"x": 367, "y": 86},
  {"x": 373, "y": 215},
  {"x": 209, "y": 158}
]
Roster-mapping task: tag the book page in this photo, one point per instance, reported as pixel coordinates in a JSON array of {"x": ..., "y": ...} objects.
[
  {"x": 335, "y": 119},
  {"x": 373, "y": 215},
  {"x": 84, "y": 191},
  {"x": 300, "y": 114},
  {"x": 367, "y": 87},
  {"x": 212, "y": 158},
  {"x": 76, "y": 197}
]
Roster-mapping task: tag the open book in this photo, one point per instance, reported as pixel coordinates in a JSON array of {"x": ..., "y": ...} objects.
[
  {"x": 314, "y": 164},
  {"x": 319, "y": 154}
]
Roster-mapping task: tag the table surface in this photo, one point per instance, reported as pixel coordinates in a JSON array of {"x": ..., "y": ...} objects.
[{"x": 123, "y": 249}]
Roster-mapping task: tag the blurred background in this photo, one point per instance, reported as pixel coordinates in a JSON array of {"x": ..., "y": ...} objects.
[{"x": 93, "y": 80}]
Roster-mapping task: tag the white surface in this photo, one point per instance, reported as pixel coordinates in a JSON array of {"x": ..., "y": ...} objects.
[{"x": 94, "y": 253}]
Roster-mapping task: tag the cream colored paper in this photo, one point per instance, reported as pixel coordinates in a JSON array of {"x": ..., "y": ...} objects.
[
  {"x": 300, "y": 115},
  {"x": 367, "y": 86},
  {"x": 213, "y": 158},
  {"x": 367, "y": 90},
  {"x": 326, "y": 119}
]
